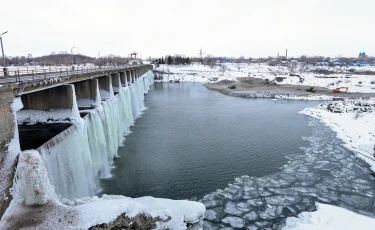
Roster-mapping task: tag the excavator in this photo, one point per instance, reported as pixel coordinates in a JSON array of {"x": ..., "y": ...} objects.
[{"x": 338, "y": 90}]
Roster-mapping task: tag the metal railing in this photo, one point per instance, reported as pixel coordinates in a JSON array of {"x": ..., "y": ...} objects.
[{"x": 30, "y": 75}]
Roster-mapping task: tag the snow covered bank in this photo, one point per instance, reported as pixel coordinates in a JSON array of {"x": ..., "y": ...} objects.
[
  {"x": 352, "y": 77},
  {"x": 354, "y": 123},
  {"x": 35, "y": 205},
  {"x": 329, "y": 217},
  {"x": 200, "y": 73},
  {"x": 278, "y": 95}
]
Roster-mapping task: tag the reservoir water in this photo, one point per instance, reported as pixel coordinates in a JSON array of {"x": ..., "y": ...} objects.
[
  {"x": 252, "y": 162},
  {"x": 191, "y": 141}
]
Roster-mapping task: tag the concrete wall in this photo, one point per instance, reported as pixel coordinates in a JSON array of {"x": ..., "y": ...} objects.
[
  {"x": 123, "y": 79},
  {"x": 133, "y": 75},
  {"x": 60, "y": 97},
  {"x": 116, "y": 82},
  {"x": 105, "y": 86},
  {"x": 7, "y": 165},
  {"x": 129, "y": 76},
  {"x": 86, "y": 89}
]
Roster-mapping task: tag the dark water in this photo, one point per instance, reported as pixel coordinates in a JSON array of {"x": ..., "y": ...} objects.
[
  {"x": 33, "y": 136},
  {"x": 191, "y": 141}
]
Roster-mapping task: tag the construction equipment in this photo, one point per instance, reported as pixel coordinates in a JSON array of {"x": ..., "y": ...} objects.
[
  {"x": 311, "y": 90},
  {"x": 338, "y": 90},
  {"x": 232, "y": 87}
]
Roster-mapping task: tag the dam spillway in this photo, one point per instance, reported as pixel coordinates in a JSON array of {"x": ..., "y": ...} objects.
[{"x": 83, "y": 153}]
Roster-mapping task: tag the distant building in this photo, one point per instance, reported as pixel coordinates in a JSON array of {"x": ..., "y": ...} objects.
[
  {"x": 135, "y": 62},
  {"x": 362, "y": 57}
]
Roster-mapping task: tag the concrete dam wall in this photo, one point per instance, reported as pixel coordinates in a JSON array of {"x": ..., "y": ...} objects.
[
  {"x": 82, "y": 154},
  {"x": 94, "y": 115}
]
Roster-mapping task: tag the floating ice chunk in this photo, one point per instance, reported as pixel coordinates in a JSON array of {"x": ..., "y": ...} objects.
[
  {"x": 255, "y": 202},
  {"x": 252, "y": 227},
  {"x": 230, "y": 208},
  {"x": 243, "y": 207},
  {"x": 266, "y": 193},
  {"x": 238, "y": 180},
  {"x": 251, "y": 216},
  {"x": 235, "y": 222},
  {"x": 249, "y": 188},
  {"x": 209, "y": 226},
  {"x": 262, "y": 224},
  {"x": 357, "y": 201},
  {"x": 268, "y": 213},
  {"x": 210, "y": 214},
  {"x": 290, "y": 211},
  {"x": 212, "y": 200},
  {"x": 339, "y": 156}
]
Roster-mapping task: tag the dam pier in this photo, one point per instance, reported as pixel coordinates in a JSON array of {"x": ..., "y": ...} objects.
[{"x": 76, "y": 119}]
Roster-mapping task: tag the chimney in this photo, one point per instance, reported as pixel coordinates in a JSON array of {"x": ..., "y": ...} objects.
[{"x": 286, "y": 54}]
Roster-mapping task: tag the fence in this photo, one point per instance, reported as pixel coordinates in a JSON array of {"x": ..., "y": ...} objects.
[{"x": 30, "y": 75}]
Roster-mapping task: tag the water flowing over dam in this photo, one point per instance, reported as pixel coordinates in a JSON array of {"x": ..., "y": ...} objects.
[{"x": 78, "y": 157}]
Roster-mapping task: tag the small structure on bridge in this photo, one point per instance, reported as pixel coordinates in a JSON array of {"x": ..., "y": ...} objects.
[{"x": 135, "y": 62}]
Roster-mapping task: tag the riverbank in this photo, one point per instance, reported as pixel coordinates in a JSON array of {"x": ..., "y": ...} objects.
[{"x": 250, "y": 87}]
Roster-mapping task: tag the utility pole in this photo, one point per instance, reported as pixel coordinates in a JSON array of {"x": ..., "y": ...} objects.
[
  {"x": 286, "y": 54},
  {"x": 71, "y": 50},
  {"x": 201, "y": 54},
  {"x": 2, "y": 50}
]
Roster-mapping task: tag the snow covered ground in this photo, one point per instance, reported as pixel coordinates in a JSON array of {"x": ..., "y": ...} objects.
[
  {"x": 35, "y": 202},
  {"x": 202, "y": 73},
  {"x": 313, "y": 75},
  {"x": 329, "y": 217}
]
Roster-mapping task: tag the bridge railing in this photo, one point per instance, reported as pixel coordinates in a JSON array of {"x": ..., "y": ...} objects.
[{"x": 27, "y": 75}]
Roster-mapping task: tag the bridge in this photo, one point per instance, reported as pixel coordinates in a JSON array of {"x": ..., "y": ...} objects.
[
  {"x": 27, "y": 77},
  {"x": 51, "y": 89}
]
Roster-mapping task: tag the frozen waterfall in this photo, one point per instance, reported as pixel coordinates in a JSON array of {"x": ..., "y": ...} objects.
[{"x": 82, "y": 154}]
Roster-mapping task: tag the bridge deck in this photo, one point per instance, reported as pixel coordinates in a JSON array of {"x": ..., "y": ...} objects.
[{"x": 30, "y": 76}]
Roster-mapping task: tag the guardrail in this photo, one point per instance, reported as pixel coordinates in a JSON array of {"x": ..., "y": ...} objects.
[{"x": 30, "y": 75}]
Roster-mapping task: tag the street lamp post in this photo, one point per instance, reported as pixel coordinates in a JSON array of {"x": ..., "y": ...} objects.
[
  {"x": 71, "y": 50},
  {"x": 2, "y": 50},
  {"x": 99, "y": 57}
]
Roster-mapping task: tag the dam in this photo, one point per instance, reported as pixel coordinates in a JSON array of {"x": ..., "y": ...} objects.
[{"x": 76, "y": 120}]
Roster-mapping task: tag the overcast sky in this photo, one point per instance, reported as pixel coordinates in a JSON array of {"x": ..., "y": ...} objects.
[{"x": 249, "y": 28}]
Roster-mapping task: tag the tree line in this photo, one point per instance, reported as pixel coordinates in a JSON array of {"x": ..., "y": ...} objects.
[
  {"x": 64, "y": 58},
  {"x": 174, "y": 60}
]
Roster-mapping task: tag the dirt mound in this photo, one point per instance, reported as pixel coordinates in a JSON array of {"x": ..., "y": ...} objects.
[{"x": 226, "y": 81}]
